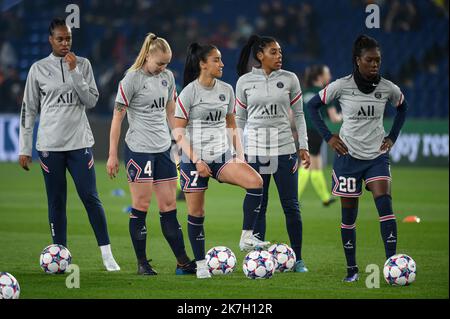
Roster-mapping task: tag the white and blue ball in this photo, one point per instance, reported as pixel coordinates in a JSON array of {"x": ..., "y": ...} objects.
[
  {"x": 400, "y": 270},
  {"x": 55, "y": 259},
  {"x": 220, "y": 260},
  {"x": 9, "y": 286},
  {"x": 284, "y": 257},
  {"x": 259, "y": 264}
]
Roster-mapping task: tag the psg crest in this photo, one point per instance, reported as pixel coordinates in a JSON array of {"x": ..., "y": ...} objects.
[
  {"x": 280, "y": 85},
  {"x": 222, "y": 97},
  {"x": 164, "y": 82}
]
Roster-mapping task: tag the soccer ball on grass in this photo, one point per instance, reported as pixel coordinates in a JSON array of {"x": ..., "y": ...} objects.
[
  {"x": 220, "y": 260},
  {"x": 400, "y": 270},
  {"x": 55, "y": 259}
]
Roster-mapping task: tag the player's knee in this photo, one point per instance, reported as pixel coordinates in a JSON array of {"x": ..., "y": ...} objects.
[
  {"x": 167, "y": 205},
  {"x": 255, "y": 182},
  {"x": 198, "y": 212},
  {"x": 90, "y": 198},
  {"x": 141, "y": 199},
  {"x": 290, "y": 206},
  {"x": 349, "y": 216},
  {"x": 141, "y": 203}
]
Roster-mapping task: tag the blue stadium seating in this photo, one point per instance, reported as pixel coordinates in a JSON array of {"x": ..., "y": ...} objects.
[{"x": 428, "y": 96}]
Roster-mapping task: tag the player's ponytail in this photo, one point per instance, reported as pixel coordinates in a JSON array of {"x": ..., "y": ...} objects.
[
  {"x": 151, "y": 44},
  {"x": 362, "y": 42},
  {"x": 254, "y": 45},
  {"x": 242, "y": 66},
  {"x": 195, "y": 54}
]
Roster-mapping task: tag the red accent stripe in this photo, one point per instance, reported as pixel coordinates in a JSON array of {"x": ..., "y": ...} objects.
[
  {"x": 348, "y": 226},
  {"x": 377, "y": 178},
  {"x": 295, "y": 167},
  {"x": 241, "y": 104},
  {"x": 182, "y": 108},
  {"x": 159, "y": 181},
  {"x": 387, "y": 217},
  {"x": 91, "y": 163},
  {"x": 44, "y": 167},
  {"x": 324, "y": 95},
  {"x": 296, "y": 98},
  {"x": 123, "y": 94},
  {"x": 401, "y": 100},
  {"x": 345, "y": 195},
  {"x": 144, "y": 180}
]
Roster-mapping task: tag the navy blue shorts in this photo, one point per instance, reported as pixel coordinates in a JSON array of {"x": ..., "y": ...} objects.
[
  {"x": 190, "y": 181},
  {"x": 149, "y": 167},
  {"x": 349, "y": 172}
]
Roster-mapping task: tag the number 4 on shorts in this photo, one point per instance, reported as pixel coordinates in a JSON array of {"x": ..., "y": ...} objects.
[{"x": 148, "y": 168}]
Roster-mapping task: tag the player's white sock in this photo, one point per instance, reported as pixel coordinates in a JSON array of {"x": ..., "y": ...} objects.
[
  {"x": 202, "y": 269},
  {"x": 108, "y": 259},
  {"x": 106, "y": 250}
]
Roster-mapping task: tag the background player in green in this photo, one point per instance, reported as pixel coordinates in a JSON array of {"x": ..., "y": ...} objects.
[
  {"x": 62, "y": 87},
  {"x": 204, "y": 121},
  {"x": 316, "y": 78},
  {"x": 362, "y": 149},
  {"x": 265, "y": 97},
  {"x": 147, "y": 95}
]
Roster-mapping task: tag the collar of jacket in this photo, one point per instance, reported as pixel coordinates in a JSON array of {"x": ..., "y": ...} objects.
[
  {"x": 365, "y": 86},
  {"x": 54, "y": 57},
  {"x": 260, "y": 71}
]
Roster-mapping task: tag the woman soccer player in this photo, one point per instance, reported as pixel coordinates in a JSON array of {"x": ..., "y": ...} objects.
[
  {"x": 362, "y": 149},
  {"x": 147, "y": 94},
  {"x": 62, "y": 85},
  {"x": 264, "y": 96},
  {"x": 316, "y": 78},
  {"x": 205, "y": 108}
]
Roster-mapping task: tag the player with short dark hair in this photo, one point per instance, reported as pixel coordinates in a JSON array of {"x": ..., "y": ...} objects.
[
  {"x": 362, "y": 149},
  {"x": 317, "y": 76},
  {"x": 62, "y": 86},
  {"x": 203, "y": 117},
  {"x": 265, "y": 96},
  {"x": 147, "y": 95}
]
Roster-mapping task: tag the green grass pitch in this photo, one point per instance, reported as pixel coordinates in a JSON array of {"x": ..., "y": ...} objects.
[{"x": 24, "y": 232}]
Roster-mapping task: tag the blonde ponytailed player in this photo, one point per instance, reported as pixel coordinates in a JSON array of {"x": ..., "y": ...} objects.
[{"x": 147, "y": 95}]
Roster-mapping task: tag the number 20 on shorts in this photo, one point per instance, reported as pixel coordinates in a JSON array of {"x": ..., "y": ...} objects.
[{"x": 347, "y": 184}]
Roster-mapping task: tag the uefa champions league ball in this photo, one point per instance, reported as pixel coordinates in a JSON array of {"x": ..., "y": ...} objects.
[
  {"x": 55, "y": 259},
  {"x": 400, "y": 270},
  {"x": 9, "y": 286},
  {"x": 220, "y": 260},
  {"x": 284, "y": 257},
  {"x": 259, "y": 264}
]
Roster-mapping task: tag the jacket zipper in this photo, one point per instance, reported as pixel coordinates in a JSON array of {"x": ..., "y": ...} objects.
[{"x": 62, "y": 71}]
